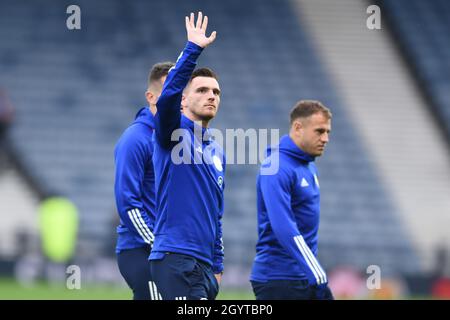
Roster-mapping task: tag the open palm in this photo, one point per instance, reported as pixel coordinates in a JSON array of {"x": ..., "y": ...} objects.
[{"x": 196, "y": 32}]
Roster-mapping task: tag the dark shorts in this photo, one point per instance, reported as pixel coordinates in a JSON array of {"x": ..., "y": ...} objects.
[
  {"x": 288, "y": 290},
  {"x": 182, "y": 277},
  {"x": 135, "y": 269}
]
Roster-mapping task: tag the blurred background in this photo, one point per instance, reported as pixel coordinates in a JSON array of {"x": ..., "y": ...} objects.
[{"x": 67, "y": 95}]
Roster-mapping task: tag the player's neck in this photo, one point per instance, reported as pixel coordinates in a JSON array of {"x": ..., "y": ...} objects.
[
  {"x": 295, "y": 140},
  {"x": 204, "y": 123},
  {"x": 152, "y": 109}
]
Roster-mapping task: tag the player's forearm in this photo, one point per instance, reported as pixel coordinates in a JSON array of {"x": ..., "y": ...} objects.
[
  {"x": 290, "y": 238},
  {"x": 218, "y": 258},
  {"x": 169, "y": 103},
  {"x": 177, "y": 79},
  {"x": 218, "y": 247},
  {"x": 130, "y": 204},
  {"x": 276, "y": 190},
  {"x": 136, "y": 220},
  {"x": 180, "y": 74}
]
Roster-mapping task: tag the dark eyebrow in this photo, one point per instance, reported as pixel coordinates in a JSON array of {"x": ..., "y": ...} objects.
[{"x": 215, "y": 90}]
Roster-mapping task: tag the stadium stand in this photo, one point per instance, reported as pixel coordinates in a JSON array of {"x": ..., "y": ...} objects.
[
  {"x": 75, "y": 92},
  {"x": 421, "y": 29},
  {"x": 390, "y": 114}
]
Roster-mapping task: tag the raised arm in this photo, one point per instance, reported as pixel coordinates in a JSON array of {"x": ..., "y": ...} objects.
[{"x": 168, "y": 116}]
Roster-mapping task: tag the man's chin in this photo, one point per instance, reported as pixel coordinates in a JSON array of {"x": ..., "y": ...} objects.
[
  {"x": 206, "y": 116},
  {"x": 318, "y": 153}
]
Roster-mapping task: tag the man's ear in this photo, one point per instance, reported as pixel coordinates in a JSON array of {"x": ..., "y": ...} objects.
[
  {"x": 150, "y": 97},
  {"x": 298, "y": 125},
  {"x": 183, "y": 101}
]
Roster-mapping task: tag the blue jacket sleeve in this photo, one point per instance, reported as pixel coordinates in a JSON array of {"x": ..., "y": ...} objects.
[
  {"x": 218, "y": 249},
  {"x": 168, "y": 113},
  {"x": 276, "y": 190},
  {"x": 131, "y": 155},
  {"x": 218, "y": 245}
]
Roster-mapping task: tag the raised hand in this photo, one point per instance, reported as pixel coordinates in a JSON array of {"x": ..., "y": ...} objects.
[{"x": 196, "y": 32}]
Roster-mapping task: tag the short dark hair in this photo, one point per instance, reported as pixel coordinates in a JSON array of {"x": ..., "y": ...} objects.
[
  {"x": 158, "y": 71},
  {"x": 203, "y": 72},
  {"x": 306, "y": 108}
]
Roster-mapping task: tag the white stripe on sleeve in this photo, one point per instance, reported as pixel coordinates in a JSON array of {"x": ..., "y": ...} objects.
[
  {"x": 319, "y": 274},
  {"x": 137, "y": 227},
  {"x": 314, "y": 260},
  {"x": 151, "y": 236},
  {"x": 141, "y": 224}
]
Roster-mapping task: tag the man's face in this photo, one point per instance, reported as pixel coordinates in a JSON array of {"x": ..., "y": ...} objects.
[
  {"x": 201, "y": 99},
  {"x": 312, "y": 133}
]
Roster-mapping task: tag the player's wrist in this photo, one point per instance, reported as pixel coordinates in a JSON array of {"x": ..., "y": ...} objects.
[{"x": 193, "y": 45}]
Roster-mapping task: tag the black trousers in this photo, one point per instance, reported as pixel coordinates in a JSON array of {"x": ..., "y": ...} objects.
[
  {"x": 182, "y": 277},
  {"x": 288, "y": 290},
  {"x": 135, "y": 269}
]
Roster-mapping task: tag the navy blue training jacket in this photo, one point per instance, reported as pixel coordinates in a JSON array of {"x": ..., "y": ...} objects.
[
  {"x": 288, "y": 204},
  {"x": 135, "y": 183},
  {"x": 189, "y": 171}
]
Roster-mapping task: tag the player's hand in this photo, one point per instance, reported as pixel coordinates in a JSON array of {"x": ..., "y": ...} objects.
[
  {"x": 218, "y": 277},
  {"x": 196, "y": 32}
]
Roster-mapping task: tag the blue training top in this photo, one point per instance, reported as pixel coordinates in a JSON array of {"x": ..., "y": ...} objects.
[
  {"x": 189, "y": 171},
  {"x": 288, "y": 204},
  {"x": 135, "y": 183}
]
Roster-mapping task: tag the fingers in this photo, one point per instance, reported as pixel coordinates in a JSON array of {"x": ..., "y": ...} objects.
[
  {"x": 199, "y": 20},
  {"x": 202, "y": 21},
  {"x": 205, "y": 23},
  {"x": 197, "y": 29},
  {"x": 192, "y": 20},
  {"x": 212, "y": 37}
]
